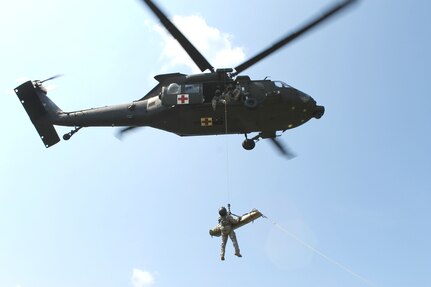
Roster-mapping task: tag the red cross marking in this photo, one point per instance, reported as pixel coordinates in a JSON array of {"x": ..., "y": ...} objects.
[
  {"x": 206, "y": 121},
  {"x": 182, "y": 98}
]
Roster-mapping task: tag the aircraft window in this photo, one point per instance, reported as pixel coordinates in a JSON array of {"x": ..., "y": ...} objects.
[
  {"x": 174, "y": 89},
  {"x": 192, "y": 89},
  {"x": 281, "y": 84}
]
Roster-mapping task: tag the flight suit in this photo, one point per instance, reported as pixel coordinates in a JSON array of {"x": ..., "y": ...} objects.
[{"x": 225, "y": 223}]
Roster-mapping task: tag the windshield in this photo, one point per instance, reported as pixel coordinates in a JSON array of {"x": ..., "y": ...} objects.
[{"x": 281, "y": 84}]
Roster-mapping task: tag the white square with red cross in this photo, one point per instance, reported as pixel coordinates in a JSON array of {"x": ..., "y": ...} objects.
[{"x": 182, "y": 99}]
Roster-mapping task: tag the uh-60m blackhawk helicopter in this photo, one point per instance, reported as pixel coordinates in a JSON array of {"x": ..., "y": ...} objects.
[{"x": 215, "y": 102}]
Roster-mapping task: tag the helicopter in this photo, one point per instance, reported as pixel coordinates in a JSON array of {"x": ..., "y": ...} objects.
[{"x": 213, "y": 102}]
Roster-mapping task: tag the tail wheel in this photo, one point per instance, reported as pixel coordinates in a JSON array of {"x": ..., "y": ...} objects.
[{"x": 248, "y": 144}]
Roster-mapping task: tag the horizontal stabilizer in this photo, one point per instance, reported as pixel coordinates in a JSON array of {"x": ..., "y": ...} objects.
[
  {"x": 245, "y": 219},
  {"x": 32, "y": 104}
]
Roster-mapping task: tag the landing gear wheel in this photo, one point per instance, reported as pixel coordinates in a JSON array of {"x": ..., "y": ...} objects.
[{"x": 248, "y": 144}]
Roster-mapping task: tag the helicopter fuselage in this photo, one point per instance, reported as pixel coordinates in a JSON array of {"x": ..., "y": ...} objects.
[
  {"x": 186, "y": 107},
  {"x": 200, "y": 104}
]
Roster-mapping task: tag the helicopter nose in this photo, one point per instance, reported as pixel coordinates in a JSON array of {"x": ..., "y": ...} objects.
[{"x": 318, "y": 112}]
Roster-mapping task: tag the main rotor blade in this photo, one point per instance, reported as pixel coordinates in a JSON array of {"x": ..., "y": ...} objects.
[
  {"x": 287, "y": 39},
  {"x": 285, "y": 151},
  {"x": 119, "y": 135},
  {"x": 196, "y": 56}
]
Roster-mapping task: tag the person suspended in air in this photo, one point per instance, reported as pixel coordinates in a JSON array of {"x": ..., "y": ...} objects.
[{"x": 225, "y": 222}]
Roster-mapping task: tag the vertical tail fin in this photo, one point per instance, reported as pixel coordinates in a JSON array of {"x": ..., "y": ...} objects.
[{"x": 39, "y": 107}]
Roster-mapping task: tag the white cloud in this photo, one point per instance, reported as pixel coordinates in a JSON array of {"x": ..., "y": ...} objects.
[
  {"x": 213, "y": 44},
  {"x": 142, "y": 278}
]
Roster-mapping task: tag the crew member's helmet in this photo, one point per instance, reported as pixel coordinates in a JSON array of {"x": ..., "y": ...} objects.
[{"x": 222, "y": 211}]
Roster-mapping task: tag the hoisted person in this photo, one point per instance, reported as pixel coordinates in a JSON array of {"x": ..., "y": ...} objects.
[{"x": 225, "y": 221}]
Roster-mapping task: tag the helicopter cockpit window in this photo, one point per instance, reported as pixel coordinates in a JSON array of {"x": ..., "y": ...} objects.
[
  {"x": 192, "y": 89},
  {"x": 280, "y": 84},
  {"x": 174, "y": 89}
]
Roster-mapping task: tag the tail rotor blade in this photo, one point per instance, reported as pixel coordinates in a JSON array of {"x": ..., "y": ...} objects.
[{"x": 51, "y": 78}]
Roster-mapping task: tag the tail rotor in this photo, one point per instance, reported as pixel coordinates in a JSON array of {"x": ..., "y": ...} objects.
[{"x": 39, "y": 82}]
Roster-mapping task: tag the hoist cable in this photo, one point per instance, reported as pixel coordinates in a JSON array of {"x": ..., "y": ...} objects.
[
  {"x": 321, "y": 254},
  {"x": 227, "y": 152}
]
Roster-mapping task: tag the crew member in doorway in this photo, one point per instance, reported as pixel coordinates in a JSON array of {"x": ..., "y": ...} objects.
[
  {"x": 230, "y": 94},
  {"x": 226, "y": 221},
  {"x": 216, "y": 98}
]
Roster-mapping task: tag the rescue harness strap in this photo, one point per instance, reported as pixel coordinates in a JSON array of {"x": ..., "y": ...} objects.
[{"x": 321, "y": 254}]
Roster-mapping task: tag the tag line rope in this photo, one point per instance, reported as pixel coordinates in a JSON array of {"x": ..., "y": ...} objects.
[{"x": 321, "y": 254}]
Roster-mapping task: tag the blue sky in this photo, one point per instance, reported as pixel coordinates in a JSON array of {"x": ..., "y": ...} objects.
[{"x": 96, "y": 211}]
